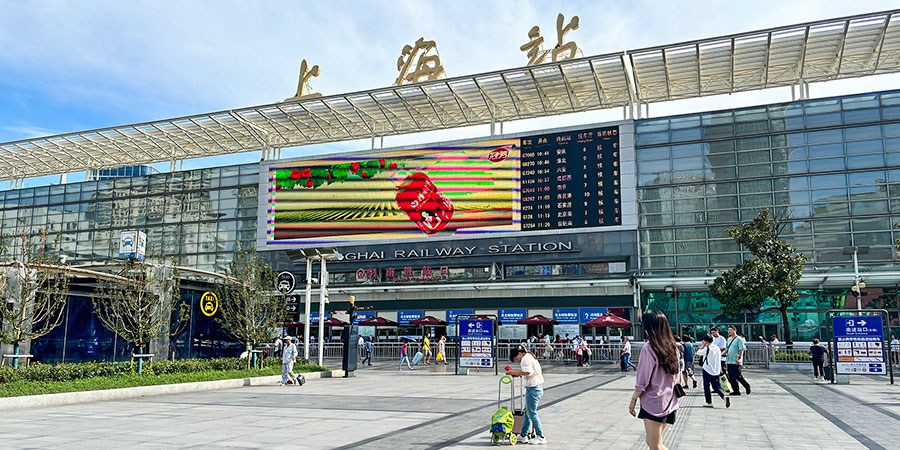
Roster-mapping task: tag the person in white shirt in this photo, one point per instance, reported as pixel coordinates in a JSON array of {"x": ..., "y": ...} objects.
[
  {"x": 712, "y": 367},
  {"x": 531, "y": 371},
  {"x": 719, "y": 340},
  {"x": 626, "y": 354},
  {"x": 895, "y": 348},
  {"x": 288, "y": 356}
]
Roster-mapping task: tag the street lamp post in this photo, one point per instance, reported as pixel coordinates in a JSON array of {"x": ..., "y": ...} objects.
[
  {"x": 308, "y": 255},
  {"x": 858, "y": 284}
]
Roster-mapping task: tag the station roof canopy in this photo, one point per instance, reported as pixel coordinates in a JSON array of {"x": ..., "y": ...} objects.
[{"x": 831, "y": 49}]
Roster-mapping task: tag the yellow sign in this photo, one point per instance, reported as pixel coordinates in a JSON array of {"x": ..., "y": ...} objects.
[
  {"x": 537, "y": 54},
  {"x": 209, "y": 304},
  {"x": 427, "y": 66},
  {"x": 303, "y": 84}
]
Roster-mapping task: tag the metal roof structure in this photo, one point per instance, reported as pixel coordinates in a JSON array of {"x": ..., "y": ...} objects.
[{"x": 832, "y": 49}]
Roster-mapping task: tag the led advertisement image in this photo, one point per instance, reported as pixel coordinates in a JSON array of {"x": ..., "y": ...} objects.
[{"x": 464, "y": 189}]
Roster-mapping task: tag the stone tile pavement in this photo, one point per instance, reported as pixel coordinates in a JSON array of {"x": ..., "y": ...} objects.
[{"x": 430, "y": 408}]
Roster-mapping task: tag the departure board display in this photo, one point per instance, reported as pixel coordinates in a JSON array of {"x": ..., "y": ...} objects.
[{"x": 571, "y": 180}]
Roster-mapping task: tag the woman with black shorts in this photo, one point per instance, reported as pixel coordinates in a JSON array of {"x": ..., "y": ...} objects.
[{"x": 657, "y": 374}]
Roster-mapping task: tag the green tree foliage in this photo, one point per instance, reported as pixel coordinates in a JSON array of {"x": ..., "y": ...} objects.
[
  {"x": 34, "y": 286},
  {"x": 248, "y": 306},
  {"x": 141, "y": 305},
  {"x": 773, "y": 273}
]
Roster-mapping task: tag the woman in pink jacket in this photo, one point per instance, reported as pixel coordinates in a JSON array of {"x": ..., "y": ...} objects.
[{"x": 656, "y": 377}]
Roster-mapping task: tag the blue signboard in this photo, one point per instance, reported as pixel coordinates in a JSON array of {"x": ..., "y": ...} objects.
[
  {"x": 363, "y": 315},
  {"x": 314, "y": 317},
  {"x": 859, "y": 343},
  {"x": 509, "y": 316},
  {"x": 452, "y": 313},
  {"x": 566, "y": 315},
  {"x": 405, "y": 317},
  {"x": 476, "y": 343},
  {"x": 589, "y": 314}
]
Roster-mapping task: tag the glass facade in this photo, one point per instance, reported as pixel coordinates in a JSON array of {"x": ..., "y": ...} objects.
[
  {"x": 829, "y": 167},
  {"x": 130, "y": 171},
  {"x": 194, "y": 216}
]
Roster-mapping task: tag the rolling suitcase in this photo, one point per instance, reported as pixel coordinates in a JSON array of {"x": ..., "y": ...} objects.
[
  {"x": 417, "y": 359},
  {"x": 829, "y": 373},
  {"x": 518, "y": 412}
]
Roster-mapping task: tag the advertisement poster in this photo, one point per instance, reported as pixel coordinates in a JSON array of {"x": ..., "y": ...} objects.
[
  {"x": 859, "y": 342},
  {"x": 476, "y": 343},
  {"x": 466, "y": 189}
]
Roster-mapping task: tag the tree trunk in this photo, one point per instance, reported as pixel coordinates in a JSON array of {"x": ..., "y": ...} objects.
[
  {"x": 16, "y": 352},
  {"x": 788, "y": 338},
  {"x": 249, "y": 355}
]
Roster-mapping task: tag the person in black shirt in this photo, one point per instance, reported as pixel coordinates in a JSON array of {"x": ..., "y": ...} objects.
[{"x": 818, "y": 360}]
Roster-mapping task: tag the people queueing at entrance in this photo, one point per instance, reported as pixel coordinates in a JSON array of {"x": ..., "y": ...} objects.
[
  {"x": 712, "y": 367},
  {"x": 442, "y": 351},
  {"x": 289, "y": 355},
  {"x": 404, "y": 356},
  {"x": 688, "y": 361},
  {"x": 367, "y": 346},
  {"x": 530, "y": 370},
  {"x": 734, "y": 360},
  {"x": 817, "y": 354},
  {"x": 657, "y": 374},
  {"x": 426, "y": 350},
  {"x": 626, "y": 355}
]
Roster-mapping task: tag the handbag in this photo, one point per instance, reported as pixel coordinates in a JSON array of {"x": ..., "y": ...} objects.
[
  {"x": 724, "y": 384},
  {"x": 678, "y": 388}
]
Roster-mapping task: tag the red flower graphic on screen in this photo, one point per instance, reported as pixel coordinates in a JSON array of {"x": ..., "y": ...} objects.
[{"x": 427, "y": 207}]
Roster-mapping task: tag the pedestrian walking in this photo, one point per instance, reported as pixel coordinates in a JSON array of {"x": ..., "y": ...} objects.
[
  {"x": 719, "y": 340},
  {"x": 442, "y": 351},
  {"x": 277, "y": 347},
  {"x": 367, "y": 345},
  {"x": 288, "y": 357},
  {"x": 626, "y": 355},
  {"x": 712, "y": 367},
  {"x": 657, "y": 374},
  {"x": 734, "y": 359},
  {"x": 426, "y": 350},
  {"x": 895, "y": 349},
  {"x": 404, "y": 356},
  {"x": 680, "y": 358},
  {"x": 817, "y": 354},
  {"x": 585, "y": 352},
  {"x": 530, "y": 370},
  {"x": 688, "y": 361}
]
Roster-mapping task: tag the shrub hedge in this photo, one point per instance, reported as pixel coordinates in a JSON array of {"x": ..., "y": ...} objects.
[{"x": 69, "y": 372}]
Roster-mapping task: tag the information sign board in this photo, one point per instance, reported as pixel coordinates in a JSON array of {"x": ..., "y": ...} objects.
[
  {"x": 859, "y": 342},
  {"x": 589, "y": 314},
  {"x": 476, "y": 342},
  {"x": 566, "y": 315},
  {"x": 405, "y": 317},
  {"x": 362, "y": 315},
  {"x": 511, "y": 316}
]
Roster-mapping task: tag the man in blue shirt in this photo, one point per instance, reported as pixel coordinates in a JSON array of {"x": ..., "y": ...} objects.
[
  {"x": 688, "y": 361},
  {"x": 368, "y": 346}
]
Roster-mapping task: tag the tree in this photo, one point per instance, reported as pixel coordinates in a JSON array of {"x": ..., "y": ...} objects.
[
  {"x": 140, "y": 306},
  {"x": 248, "y": 306},
  {"x": 34, "y": 287},
  {"x": 773, "y": 274}
]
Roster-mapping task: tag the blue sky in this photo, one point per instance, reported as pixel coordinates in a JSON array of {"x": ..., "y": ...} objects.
[{"x": 71, "y": 66}]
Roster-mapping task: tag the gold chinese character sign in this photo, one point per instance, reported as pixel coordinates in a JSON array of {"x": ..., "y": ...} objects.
[
  {"x": 427, "y": 65},
  {"x": 534, "y": 48},
  {"x": 303, "y": 83}
]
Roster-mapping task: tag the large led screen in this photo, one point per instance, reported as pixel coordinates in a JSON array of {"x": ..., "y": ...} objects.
[
  {"x": 540, "y": 183},
  {"x": 465, "y": 189}
]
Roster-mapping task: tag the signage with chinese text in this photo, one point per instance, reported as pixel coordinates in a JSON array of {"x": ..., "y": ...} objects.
[
  {"x": 476, "y": 343},
  {"x": 566, "y": 315},
  {"x": 859, "y": 343},
  {"x": 405, "y": 317},
  {"x": 511, "y": 316},
  {"x": 589, "y": 314}
]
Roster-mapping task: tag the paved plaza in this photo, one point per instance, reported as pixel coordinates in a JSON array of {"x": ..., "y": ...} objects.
[{"x": 431, "y": 408}]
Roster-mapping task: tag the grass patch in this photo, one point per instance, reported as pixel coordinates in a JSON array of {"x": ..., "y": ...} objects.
[{"x": 20, "y": 388}]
